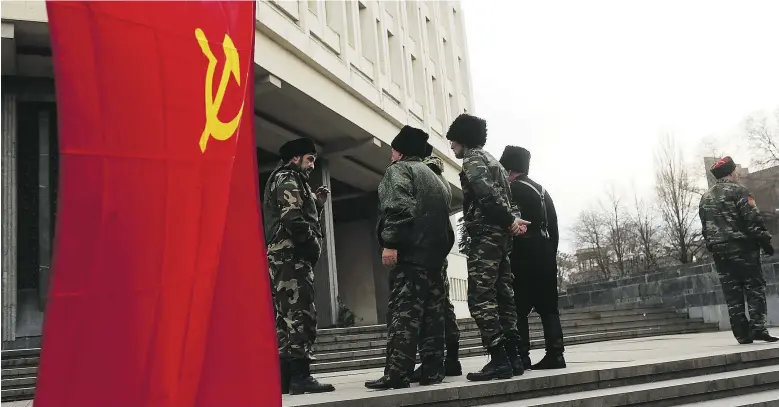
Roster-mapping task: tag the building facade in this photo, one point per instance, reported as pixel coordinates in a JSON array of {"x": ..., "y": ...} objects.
[{"x": 348, "y": 74}]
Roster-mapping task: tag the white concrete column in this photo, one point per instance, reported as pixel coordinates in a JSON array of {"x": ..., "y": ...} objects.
[
  {"x": 9, "y": 216},
  {"x": 325, "y": 274}
]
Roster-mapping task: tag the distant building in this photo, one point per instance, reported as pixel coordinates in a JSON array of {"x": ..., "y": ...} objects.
[{"x": 764, "y": 187}]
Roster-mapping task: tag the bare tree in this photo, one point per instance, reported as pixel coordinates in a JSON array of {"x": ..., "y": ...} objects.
[
  {"x": 566, "y": 268},
  {"x": 676, "y": 193},
  {"x": 763, "y": 139},
  {"x": 591, "y": 234},
  {"x": 617, "y": 227},
  {"x": 647, "y": 231}
]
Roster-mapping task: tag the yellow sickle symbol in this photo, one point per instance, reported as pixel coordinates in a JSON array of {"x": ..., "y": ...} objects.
[{"x": 215, "y": 127}]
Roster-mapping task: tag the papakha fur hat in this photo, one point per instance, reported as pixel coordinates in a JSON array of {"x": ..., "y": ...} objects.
[{"x": 470, "y": 131}]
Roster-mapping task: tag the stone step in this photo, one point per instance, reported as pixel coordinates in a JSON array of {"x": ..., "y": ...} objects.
[
  {"x": 357, "y": 342},
  {"x": 473, "y": 347},
  {"x": 571, "y": 316},
  {"x": 769, "y": 398},
  {"x": 537, "y": 341},
  {"x": 18, "y": 382},
  {"x": 20, "y": 372},
  {"x": 380, "y": 331},
  {"x": 25, "y": 393},
  {"x": 667, "y": 392},
  {"x": 679, "y": 377},
  {"x": 20, "y": 362}
]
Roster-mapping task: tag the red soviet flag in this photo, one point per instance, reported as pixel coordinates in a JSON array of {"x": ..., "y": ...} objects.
[{"x": 159, "y": 295}]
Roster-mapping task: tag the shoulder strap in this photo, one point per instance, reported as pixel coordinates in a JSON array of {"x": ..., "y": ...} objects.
[{"x": 541, "y": 194}]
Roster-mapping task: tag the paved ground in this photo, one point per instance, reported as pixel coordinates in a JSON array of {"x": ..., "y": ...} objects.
[{"x": 587, "y": 357}]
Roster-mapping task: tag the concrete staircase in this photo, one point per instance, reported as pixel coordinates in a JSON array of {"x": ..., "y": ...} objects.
[
  {"x": 676, "y": 370},
  {"x": 364, "y": 347},
  {"x": 20, "y": 369}
]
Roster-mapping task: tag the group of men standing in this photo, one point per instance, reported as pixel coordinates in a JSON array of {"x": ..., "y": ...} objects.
[{"x": 509, "y": 234}]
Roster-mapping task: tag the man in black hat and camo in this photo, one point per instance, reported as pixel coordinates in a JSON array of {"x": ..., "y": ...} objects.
[
  {"x": 489, "y": 222},
  {"x": 416, "y": 236},
  {"x": 293, "y": 234},
  {"x": 534, "y": 260},
  {"x": 734, "y": 233}
]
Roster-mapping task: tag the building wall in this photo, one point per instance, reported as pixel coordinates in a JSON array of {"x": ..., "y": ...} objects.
[{"x": 405, "y": 61}]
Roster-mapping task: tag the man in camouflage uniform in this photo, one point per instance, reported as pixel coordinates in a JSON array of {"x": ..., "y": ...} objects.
[
  {"x": 451, "y": 330},
  {"x": 489, "y": 221},
  {"x": 534, "y": 261},
  {"x": 734, "y": 233},
  {"x": 293, "y": 233},
  {"x": 416, "y": 236}
]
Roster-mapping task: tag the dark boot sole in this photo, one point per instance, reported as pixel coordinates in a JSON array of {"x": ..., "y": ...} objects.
[
  {"x": 500, "y": 376},
  {"x": 549, "y": 367},
  {"x": 294, "y": 392},
  {"x": 430, "y": 382},
  {"x": 394, "y": 387}
]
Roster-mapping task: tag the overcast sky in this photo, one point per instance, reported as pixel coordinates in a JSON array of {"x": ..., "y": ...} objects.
[{"x": 589, "y": 86}]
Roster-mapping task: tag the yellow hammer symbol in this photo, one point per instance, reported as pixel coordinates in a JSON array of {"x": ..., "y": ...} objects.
[{"x": 215, "y": 127}]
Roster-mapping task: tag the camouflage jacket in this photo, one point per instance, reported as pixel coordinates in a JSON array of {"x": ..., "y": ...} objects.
[
  {"x": 486, "y": 193},
  {"x": 730, "y": 219},
  {"x": 290, "y": 210},
  {"x": 414, "y": 214}
]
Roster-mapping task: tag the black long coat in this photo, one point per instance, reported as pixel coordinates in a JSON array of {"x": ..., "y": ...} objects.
[{"x": 534, "y": 256}]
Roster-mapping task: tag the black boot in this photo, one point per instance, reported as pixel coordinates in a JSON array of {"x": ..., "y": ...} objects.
[
  {"x": 387, "y": 382},
  {"x": 452, "y": 362},
  {"x": 516, "y": 363},
  {"x": 553, "y": 336},
  {"x": 284, "y": 364},
  {"x": 523, "y": 344},
  {"x": 498, "y": 367},
  {"x": 301, "y": 381},
  {"x": 764, "y": 336}
]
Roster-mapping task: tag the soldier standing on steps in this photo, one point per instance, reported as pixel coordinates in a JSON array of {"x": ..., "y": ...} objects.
[
  {"x": 294, "y": 236},
  {"x": 451, "y": 330},
  {"x": 416, "y": 236},
  {"x": 489, "y": 221},
  {"x": 534, "y": 260},
  {"x": 734, "y": 233}
]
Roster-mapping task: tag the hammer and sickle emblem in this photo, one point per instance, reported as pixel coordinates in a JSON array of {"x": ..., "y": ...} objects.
[{"x": 215, "y": 127}]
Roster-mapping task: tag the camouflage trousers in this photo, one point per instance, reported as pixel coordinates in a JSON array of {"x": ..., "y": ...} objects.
[
  {"x": 293, "y": 297},
  {"x": 490, "y": 287},
  {"x": 741, "y": 276},
  {"x": 451, "y": 330},
  {"x": 417, "y": 298}
]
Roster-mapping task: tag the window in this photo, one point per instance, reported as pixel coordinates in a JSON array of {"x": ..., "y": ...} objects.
[
  {"x": 432, "y": 40},
  {"x": 367, "y": 33},
  {"x": 438, "y": 98},
  {"x": 419, "y": 80},
  {"x": 381, "y": 51},
  {"x": 334, "y": 16},
  {"x": 396, "y": 58},
  {"x": 412, "y": 13},
  {"x": 350, "y": 22}
]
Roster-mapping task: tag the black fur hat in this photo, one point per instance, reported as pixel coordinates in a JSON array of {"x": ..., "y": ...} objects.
[
  {"x": 723, "y": 168},
  {"x": 410, "y": 141},
  {"x": 470, "y": 131},
  {"x": 297, "y": 147},
  {"x": 515, "y": 158},
  {"x": 428, "y": 150}
]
